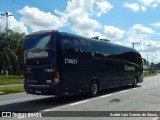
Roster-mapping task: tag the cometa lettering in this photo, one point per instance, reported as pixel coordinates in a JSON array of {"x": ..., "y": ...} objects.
[
  {"x": 37, "y": 54},
  {"x": 129, "y": 68}
]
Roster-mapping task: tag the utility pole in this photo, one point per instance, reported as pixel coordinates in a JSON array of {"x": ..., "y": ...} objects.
[
  {"x": 134, "y": 44},
  {"x": 7, "y": 15},
  {"x": 0, "y": 29}
]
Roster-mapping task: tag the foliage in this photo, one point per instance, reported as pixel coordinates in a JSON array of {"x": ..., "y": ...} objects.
[
  {"x": 11, "y": 89},
  {"x": 11, "y": 49}
]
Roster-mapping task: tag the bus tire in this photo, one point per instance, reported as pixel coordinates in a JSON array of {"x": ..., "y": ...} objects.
[
  {"x": 135, "y": 83},
  {"x": 94, "y": 88}
]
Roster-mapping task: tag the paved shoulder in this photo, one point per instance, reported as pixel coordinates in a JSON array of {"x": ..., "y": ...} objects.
[{"x": 11, "y": 85}]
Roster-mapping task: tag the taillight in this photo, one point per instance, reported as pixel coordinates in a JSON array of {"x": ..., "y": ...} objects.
[
  {"x": 56, "y": 76},
  {"x": 53, "y": 30}
]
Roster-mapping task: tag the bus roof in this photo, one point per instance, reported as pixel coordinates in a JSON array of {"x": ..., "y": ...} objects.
[{"x": 74, "y": 35}]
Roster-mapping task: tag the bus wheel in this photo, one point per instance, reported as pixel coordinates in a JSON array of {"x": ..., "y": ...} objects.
[
  {"x": 135, "y": 83},
  {"x": 94, "y": 88}
]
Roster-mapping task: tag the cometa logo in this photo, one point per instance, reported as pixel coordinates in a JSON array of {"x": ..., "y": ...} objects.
[{"x": 37, "y": 54}]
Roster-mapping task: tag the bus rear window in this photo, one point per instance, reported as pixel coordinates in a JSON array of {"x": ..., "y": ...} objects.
[{"x": 39, "y": 41}]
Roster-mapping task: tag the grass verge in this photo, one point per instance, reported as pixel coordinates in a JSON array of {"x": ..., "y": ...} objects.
[
  {"x": 12, "y": 79},
  {"x": 11, "y": 89},
  {"x": 150, "y": 74}
]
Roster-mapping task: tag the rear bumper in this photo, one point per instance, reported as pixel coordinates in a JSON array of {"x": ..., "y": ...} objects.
[{"x": 41, "y": 89}]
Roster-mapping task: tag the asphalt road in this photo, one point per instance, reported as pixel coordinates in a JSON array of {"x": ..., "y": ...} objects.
[{"x": 145, "y": 97}]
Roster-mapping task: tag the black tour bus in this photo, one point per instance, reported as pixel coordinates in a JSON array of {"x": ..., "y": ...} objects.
[{"x": 60, "y": 63}]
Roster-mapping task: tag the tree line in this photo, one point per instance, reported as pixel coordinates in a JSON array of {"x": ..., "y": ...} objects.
[{"x": 11, "y": 51}]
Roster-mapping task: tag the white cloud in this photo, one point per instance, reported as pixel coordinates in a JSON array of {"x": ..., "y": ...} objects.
[
  {"x": 104, "y": 7},
  {"x": 39, "y": 20},
  {"x": 133, "y": 6},
  {"x": 143, "y": 29},
  {"x": 13, "y": 24},
  {"x": 156, "y": 24},
  {"x": 140, "y": 34},
  {"x": 78, "y": 15},
  {"x": 143, "y": 8},
  {"x": 149, "y": 46},
  {"x": 149, "y": 3},
  {"x": 143, "y": 35},
  {"x": 142, "y": 5},
  {"x": 136, "y": 37},
  {"x": 113, "y": 33}
]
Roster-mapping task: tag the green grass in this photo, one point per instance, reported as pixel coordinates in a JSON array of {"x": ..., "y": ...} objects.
[
  {"x": 11, "y": 89},
  {"x": 12, "y": 79},
  {"x": 150, "y": 74}
]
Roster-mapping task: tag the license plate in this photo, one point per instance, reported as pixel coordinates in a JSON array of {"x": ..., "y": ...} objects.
[{"x": 38, "y": 92}]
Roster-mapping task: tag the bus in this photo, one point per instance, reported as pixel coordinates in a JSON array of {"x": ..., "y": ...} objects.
[{"x": 60, "y": 63}]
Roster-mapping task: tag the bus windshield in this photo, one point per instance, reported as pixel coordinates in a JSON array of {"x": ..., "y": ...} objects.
[{"x": 40, "y": 40}]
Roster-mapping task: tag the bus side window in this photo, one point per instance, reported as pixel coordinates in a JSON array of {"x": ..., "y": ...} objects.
[
  {"x": 76, "y": 47},
  {"x": 68, "y": 44}
]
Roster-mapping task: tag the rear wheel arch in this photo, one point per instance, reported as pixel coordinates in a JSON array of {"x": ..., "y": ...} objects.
[
  {"x": 135, "y": 81},
  {"x": 94, "y": 87}
]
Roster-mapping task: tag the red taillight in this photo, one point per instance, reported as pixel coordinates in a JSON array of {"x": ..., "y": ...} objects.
[
  {"x": 53, "y": 30},
  {"x": 56, "y": 77}
]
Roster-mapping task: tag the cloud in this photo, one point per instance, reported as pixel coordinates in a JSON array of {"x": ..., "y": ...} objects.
[
  {"x": 143, "y": 29},
  {"x": 104, "y": 7},
  {"x": 149, "y": 3},
  {"x": 13, "y": 24},
  {"x": 133, "y": 6},
  {"x": 156, "y": 24},
  {"x": 149, "y": 46},
  {"x": 38, "y": 20},
  {"x": 79, "y": 16},
  {"x": 142, "y": 35},
  {"x": 142, "y": 5},
  {"x": 80, "y": 12},
  {"x": 113, "y": 33}
]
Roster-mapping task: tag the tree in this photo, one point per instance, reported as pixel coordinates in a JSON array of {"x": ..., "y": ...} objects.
[{"x": 11, "y": 49}]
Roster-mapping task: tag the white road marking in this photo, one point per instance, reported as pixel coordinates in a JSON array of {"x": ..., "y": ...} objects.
[
  {"x": 156, "y": 83},
  {"x": 152, "y": 84},
  {"x": 156, "y": 118},
  {"x": 16, "y": 100},
  {"x": 105, "y": 96},
  {"x": 47, "y": 110},
  {"x": 123, "y": 91},
  {"x": 83, "y": 101},
  {"x": 134, "y": 88}
]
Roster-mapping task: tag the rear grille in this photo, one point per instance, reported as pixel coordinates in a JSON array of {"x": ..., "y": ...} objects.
[{"x": 37, "y": 62}]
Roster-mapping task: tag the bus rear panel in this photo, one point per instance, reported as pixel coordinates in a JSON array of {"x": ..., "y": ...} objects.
[{"x": 40, "y": 68}]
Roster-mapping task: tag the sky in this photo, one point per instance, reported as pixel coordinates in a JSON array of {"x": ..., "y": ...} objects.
[{"x": 121, "y": 21}]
